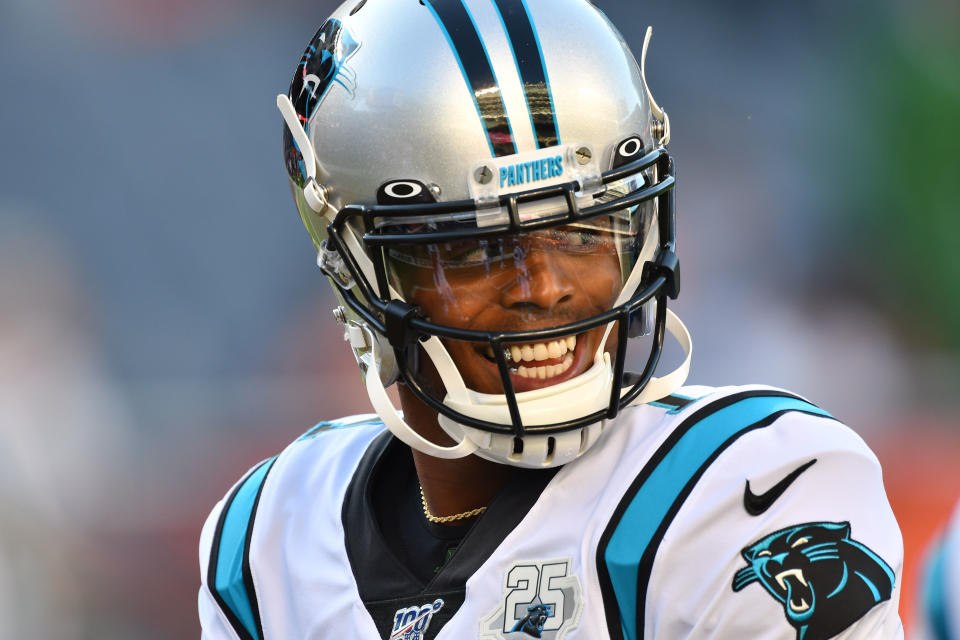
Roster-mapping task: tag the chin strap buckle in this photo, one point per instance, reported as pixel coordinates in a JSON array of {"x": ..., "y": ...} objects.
[{"x": 666, "y": 265}]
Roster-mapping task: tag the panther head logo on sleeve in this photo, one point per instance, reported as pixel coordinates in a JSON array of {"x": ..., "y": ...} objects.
[{"x": 824, "y": 579}]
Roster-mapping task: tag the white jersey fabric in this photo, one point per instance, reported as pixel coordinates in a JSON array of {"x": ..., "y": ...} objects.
[{"x": 731, "y": 513}]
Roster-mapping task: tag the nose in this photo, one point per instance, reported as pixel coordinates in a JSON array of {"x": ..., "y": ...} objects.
[{"x": 539, "y": 281}]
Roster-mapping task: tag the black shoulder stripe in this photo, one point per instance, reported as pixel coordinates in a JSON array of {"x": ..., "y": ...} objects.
[
  {"x": 653, "y": 500},
  {"x": 533, "y": 71},
  {"x": 458, "y": 26},
  {"x": 230, "y": 581},
  {"x": 674, "y": 401}
]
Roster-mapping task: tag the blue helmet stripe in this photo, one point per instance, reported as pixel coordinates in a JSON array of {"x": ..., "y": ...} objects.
[
  {"x": 528, "y": 56},
  {"x": 471, "y": 53}
]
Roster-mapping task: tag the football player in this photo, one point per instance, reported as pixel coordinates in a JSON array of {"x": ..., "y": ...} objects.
[{"x": 489, "y": 191}]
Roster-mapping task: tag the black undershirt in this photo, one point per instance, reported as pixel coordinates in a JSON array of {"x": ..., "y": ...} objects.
[
  {"x": 398, "y": 558},
  {"x": 423, "y": 546}
]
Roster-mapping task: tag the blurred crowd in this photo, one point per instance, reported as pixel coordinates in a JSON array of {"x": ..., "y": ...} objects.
[{"x": 163, "y": 326}]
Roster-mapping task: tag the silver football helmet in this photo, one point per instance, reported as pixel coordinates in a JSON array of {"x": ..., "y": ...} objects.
[{"x": 487, "y": 186}]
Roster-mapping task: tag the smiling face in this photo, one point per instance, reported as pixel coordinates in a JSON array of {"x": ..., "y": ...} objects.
[{"x": 520, "y": 282}]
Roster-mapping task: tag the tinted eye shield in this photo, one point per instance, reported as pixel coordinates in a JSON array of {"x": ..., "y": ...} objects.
[{"x": 402, "y": 324}]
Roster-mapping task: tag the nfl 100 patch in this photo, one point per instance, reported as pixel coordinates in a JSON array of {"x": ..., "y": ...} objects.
[
  {"x": 411, "y": 623},
  {"x": 541, "y": 599}
]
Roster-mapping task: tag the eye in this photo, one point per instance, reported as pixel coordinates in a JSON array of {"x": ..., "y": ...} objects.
[
  {"x": 799, "y": 542},
  {"x": 572, "y": 237},
  {"x": 765, "y": 552},
  {"x": 470, "y": 254}
]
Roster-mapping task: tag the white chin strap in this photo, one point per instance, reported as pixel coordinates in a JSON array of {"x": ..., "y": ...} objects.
[
  {"x": 312, "y": 192},
  {"x": 388, "y": 413},
  {"x": 585, "y": 394}
]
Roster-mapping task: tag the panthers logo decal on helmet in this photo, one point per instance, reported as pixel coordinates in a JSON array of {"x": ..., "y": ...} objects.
[
  {"x": 324, "y": 63},
  {"x": 824, "y": 579}
]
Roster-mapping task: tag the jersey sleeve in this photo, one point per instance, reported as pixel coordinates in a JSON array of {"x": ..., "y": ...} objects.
[
  {"x": 213, "y": 623},
  {"x": 784, "y": 532},
  {"x": 227, "y": 601}
]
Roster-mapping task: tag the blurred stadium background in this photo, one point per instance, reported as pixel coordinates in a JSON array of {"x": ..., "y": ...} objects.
[{"x": 162, "y": 326}]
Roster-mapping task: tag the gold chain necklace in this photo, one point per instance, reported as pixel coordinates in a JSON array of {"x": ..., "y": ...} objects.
[{"x": 444, "y": 519}]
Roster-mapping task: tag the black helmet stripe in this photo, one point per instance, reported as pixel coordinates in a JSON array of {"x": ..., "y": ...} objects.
[
  {"x": 461, "y": 32},
  {"x": 533, "y": 71}
]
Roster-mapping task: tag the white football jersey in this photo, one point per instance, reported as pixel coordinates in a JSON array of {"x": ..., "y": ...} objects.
[{"x": 731, "y": 513}]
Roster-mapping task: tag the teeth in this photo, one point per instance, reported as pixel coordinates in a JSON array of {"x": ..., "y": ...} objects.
[
  {"x": 796, "y": 573},
  {"x": 541, "y": 350},
  {"x": 553, "y": 349},
  {"x": 803, "y": 606},
  {"x": 546, "y": 371}
]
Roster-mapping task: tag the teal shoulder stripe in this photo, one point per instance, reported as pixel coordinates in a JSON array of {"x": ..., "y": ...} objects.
[
  {"x": 630, "y": 542},
  {"x": 934, "y": 596},
  {"x": 229, "y": 569},
  {"x": 344, "y": 423}
]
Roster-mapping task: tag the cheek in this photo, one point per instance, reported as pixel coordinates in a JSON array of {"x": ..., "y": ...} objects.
[
  {"x": 601, "y": 280},
  {"x": 477, "y": 373}
]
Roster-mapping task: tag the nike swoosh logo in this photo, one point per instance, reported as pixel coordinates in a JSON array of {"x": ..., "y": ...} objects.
[{"x": 757, "y": 504}]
